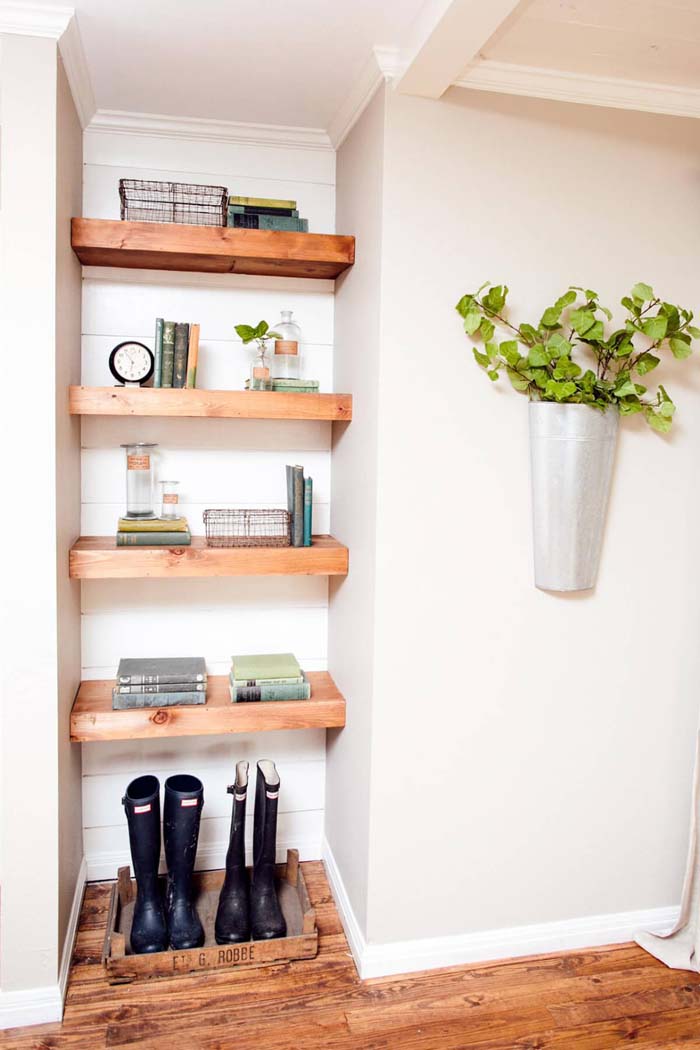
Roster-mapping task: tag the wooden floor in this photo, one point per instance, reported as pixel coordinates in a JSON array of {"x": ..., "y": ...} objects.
[{"x": 591, "y": 1000}]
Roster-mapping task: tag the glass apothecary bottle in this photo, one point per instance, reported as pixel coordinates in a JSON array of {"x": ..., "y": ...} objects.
[
  {"x": 169, "y": 499},
  {"x": 286, "y": 360},
  {"x": 139, "y": 480},
  {"x": 260, "y": 377}
]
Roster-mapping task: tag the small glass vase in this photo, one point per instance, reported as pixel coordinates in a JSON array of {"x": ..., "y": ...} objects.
[
  {"x": 260, "y": 377},
  {"x": 169, "y": 499},
  {"x": 286, "y": 360},
  {"x": 139, "y": 480}
]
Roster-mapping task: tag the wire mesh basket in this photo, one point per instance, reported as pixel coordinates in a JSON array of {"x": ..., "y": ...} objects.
[
  {"x": 247, "y": 528},
  {"x": 146, "y": 201}
]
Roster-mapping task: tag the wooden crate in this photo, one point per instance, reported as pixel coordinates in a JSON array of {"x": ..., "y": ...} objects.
[{"x": 301, "y": 942}]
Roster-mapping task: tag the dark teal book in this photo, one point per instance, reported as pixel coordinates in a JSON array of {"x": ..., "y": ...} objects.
[
  {"x": 158, "y": 353},
  {"x": 128, "y": 701},
  {"x": 154, "y": 539},
  {"x": 166, "y": 378},
  {"x": 182, "y": 339},
  {"x": 298, "y": 519},
  {"x": 266, "y": 222},
  {"x": 290, "y": 495},
  {"x": 308, "y": 509},
  {"x": 247, "y": 694},
  {"x": 255, "y": 209}
]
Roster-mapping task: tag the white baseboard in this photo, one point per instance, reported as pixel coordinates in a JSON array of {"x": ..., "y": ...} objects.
[
  {"x": 45, "y": 1005},
  {"x": 381, "y": 960},
  {"x": 102, "y": 867}
]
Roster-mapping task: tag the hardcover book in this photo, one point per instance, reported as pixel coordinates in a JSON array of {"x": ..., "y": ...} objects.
[
  {"x": 262, "y": 209},
  {"x": 172, "y": 687},
  {"x": 267, "y": 222},
  {"x": 128, "y": 701},
  {"x": 262, "y": 202},
  {"x": 153, "y": 525},
  {"x": 308, "y": 509},
  {"x": 154, "y": 539},
  {"x": 193, "y": 357},
  {"x": 252, "y": 667},
  {"x": 298, "y": 518},
  {"x": 242, "y": 694},
  {"x": 158, "y": 353},
  {"x": 168, "y": 353},
  {"x": 182, "y": 338},
  {"x": 161, "y": 670}
]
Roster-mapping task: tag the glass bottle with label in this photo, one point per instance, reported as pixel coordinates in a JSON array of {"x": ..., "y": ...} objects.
[
  {"x": 169, "y": 499},
  {"x": 286, "y": 361},
  {"x": 260, "y": 378},
  {"x": 139, "y": 480}
]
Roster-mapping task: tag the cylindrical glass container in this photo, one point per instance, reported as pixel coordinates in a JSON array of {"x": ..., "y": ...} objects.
[
  {"x": 139, "y": 480},
  {"x": 286, "y": 360},
  {"x": 260, "y": 378},
  {"x": 169, "y": 499}
]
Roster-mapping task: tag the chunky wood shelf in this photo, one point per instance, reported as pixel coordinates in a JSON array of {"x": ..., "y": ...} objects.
[
  {"x": 92, "y": 717},
  {"x": 220, "y": 404},
  {"x": 210, "y": 249},
  {"x": 99, "y": 558}
]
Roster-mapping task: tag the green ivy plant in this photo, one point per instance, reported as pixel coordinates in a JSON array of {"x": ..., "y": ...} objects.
[
  {"x": 538, "y": 359},
  {"x": 260, "y": 334}
]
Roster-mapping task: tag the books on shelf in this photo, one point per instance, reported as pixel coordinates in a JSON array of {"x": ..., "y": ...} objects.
[
  {"x": 292, "y": 386},
  {"x": 176, "y": 354},
  {"x": 267, "y": 676},
  {"x": 159, "y": 682},
  {"x": 153, "y": 532},
  {"x": 300, "y": 505},
  {"x": 265, "y": 213}
]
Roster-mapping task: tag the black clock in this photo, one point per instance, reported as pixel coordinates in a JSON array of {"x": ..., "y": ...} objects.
[{"x": 131, "y": 363}]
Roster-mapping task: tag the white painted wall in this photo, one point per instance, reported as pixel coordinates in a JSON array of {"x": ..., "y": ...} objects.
[
  {"x": 220, "y": 463},
  {"x": 530, "y": 753}
]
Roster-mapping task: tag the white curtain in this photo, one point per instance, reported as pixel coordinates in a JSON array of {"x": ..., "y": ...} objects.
[{"x": 680, "y": 949}]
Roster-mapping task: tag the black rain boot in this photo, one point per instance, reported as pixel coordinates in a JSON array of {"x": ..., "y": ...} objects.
[
  {"x": 184, "y": 798},
  {"x": 266, "y": 917},
  {"x": 233, "y": 914},
  {"x": 142, "y": 805}
]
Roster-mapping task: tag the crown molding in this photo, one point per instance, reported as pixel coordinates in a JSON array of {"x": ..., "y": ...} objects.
[
  {"x": 381, "y": 66},
  {"x": 70, "y": 45},
  {"x": 612, "y": 92},
  {"x": 116, "y": 121},
  {"x": 34, "y": 19}
]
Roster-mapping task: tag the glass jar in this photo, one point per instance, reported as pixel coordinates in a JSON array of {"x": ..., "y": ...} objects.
[
  {"x": 260, "y": 378},
  {"x": 286, "y": 362},
  {"x": 169, "y": 499},
  {"x": 139, "y": 480}
]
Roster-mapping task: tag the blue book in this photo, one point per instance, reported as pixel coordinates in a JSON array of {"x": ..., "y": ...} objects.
[
  {"x": 308, "y": 509},
  {"x": 158, "y": 353}
]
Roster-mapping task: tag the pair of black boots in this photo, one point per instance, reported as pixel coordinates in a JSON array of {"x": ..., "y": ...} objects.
[
  {"x": 249, "y": 906},
  {"x": 157, "y": 924}
]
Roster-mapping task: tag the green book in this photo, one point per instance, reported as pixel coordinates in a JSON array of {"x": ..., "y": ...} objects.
[
  {"x": 252, "y": 667},
  {"x": 128, "y": 701},
  {"x": 168, "y": 353},
  {"x": 158, "y": 353},
  {"x": 182, "y": 339},
  {"x": 172, "y": 687},
  {"x": 298, "y": 518},
  {"x": 262, "y": 209},
  {"x": 308, "y": 509},
  {"x": 161, "y": 670},
  {"x": 153, "y": 539},
  {"x": 245, "y": 694},
  {"x": 152, "y": 525},
  {"x": 262, "y": 202}
]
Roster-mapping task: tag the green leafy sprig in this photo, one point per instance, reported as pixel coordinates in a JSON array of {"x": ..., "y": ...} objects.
[
  {"x": 261, "y": 333},
  {"x": 538, "y": 358}
]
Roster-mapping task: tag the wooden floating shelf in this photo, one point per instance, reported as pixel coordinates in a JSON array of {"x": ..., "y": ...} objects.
[
  {"x": 92, "y": 717},
  {"x": 219, "y": 404},
  {"x": 210, "y": 249},
  {"x": 99, "y": 558}
]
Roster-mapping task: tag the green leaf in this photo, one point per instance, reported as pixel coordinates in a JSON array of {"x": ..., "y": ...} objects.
[
  {"x": 566, "y": 299},
  {"x": 582, "y": 320},
  {"x": 492, "y": 374},
  {"x": 693, "y": 331},
  {"x": 517, "y": 381},
  {"x": 657, "y": 421},
  {"x": 589, "y": 294},
  {"x": 646, "y": 363},
  {"x": 472, "y": 322},
  {"x": 566, "y": 369},
  {"x": 655, "y": 327},
  {"x": 608, "y": 313},
  {"x": 486, "y": 329},
  {"x": 541, "y": 377},
  {"x": 630, "y": 406},
  {"x": 680, "y": 348},
  {"x": 595, "y": 334},
  {"x": 550, "y": 318},
  {"x": 667, "y": 409},
  {"x": 643, "y": 292},
  {"x": 625, "y": 388},
  {"x": 510, "y": 350},
  {"x": 559, "y": 391},
  {"x": 537, "y": 357},
  {"x": 495, "y": 299},
  {"x": 465, "y": 305},
  {"x": 558, "y": 346},
  {"x": 481, "y": 359},
  {"x": 528, "y": 333},
  {"x": 245, "y": 332}
]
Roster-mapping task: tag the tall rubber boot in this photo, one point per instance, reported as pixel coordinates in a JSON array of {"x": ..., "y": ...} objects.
[
  {"x": 142, "y": 806},
  {"x": 182, "y": 812},
  {"x": 233, "y": 914},
  {"x": 266, "y": 917}
]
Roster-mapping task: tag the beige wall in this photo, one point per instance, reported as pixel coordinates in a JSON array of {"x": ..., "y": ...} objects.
[
  {"x": 359, "y": 188},
  {"x": 531, "y": 753},
  {"x": 40, "y": 175}
]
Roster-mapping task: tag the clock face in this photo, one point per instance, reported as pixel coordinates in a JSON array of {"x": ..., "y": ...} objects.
[{"x": 131, "y": 362}]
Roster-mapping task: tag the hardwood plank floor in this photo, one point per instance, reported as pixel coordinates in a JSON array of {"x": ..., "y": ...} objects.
[{"x": 590, "y": 1000}]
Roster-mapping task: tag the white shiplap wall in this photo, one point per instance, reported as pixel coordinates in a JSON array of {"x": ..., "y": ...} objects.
[{"x": 220, "y": 463}]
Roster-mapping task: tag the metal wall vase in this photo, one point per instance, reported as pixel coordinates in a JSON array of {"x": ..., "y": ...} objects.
[{"x": 572, "y": 451}]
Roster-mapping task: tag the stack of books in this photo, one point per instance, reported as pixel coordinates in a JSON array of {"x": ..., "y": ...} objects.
[
  {"x": 160, "y": 682},
  {"x": 300, "y": 494},
  {"x": 176, "y": 354},
  {"x": 265, "y": 213},
  {"x": 292, "y": 386},
  {"x": 267, "y": 676},
  {"x": 153, "y": 532}
]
